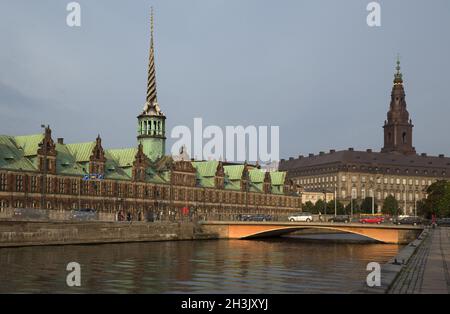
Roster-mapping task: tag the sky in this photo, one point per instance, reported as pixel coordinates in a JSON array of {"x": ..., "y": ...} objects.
[{"x": 313, "y": 67}]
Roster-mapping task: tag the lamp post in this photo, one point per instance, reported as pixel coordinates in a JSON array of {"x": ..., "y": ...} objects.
[
  {"x": 325, "y": 203},
  {"x": 335, "y": 200}
]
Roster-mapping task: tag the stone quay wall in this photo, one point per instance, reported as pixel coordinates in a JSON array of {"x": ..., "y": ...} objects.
[{"x": 30, "y": 233}]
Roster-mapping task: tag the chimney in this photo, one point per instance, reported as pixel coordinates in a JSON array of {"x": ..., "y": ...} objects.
[
  {"x": 423, "y": 154},
  {"x": 60, "y": 140},
  {"x": 441, "y": 155},
  {"x": 321, "y": 153},
  {"x": 350, "y": 149},
  {"x": 311, "y": 155},
  {"x": 368, "y": 150},
  {"x": 332, "y": 151}
]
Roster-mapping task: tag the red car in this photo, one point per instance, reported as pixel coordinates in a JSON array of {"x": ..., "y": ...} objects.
[{"x": 371, "y": 220}]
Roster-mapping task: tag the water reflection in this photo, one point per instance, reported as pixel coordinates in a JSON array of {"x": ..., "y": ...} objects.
[{"x": 284, "y": 265}]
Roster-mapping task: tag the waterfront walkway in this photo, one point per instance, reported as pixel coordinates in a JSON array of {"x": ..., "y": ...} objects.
[{"x": 427, "y": 271}]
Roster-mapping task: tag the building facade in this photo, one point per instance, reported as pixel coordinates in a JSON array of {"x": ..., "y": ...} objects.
[
  {"x": 38, "y": 172},
  {"x": 396, "y": 170}
]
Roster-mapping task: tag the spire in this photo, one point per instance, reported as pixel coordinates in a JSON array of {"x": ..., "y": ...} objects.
[
  {"x": 398, "y": 77},
  {"x": 151, "y": 80}
]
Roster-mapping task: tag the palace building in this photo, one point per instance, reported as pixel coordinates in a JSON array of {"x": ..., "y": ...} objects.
[
  {"x": 37, "y": 171},
  {"x": 396, "y": 170}
]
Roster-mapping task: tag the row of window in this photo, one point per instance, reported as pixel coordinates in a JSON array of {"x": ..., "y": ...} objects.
[
  {"x": 400, "y": 196},
  {"x": 72, "y": 186},
  {"x": 363, "y": 179}
]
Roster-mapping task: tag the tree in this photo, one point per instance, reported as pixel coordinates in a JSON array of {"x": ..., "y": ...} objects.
[
  {"x": 423, "y": 209},
  {"x": 366, "y": 205},
  {"x": 319, "y": 207},
  {"x": 339, "y": 207},
  {"x": 438, "y": 199},
  {"x": 308, "y": 207},
  {"x": 390, "y": 206}
]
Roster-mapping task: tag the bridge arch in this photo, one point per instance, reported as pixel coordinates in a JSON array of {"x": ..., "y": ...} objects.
[
  {"x": 249, "y": 230},
  {"x": 286, "y": 230}
]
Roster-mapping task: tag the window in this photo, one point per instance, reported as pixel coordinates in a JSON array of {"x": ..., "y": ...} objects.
[
  {"x": 363, "y": 179},
  {"x": 379, "y": 195},
  {"x": 354, "y": 193},
  {"x": 344, "y": 194},
  {"x": 343, "y": 178},
  {"x": 33, "y": 184},
  {"x": 61, "y": 186},
  {"x": 410, "y": 181},
  {"x": 3, "y": 182},
  {"x": 363, "y": 193},
  {"x": 404, "y": 181},
  {"x": 397, "y": 181},
  {"x": 353, "y": 179},
  {"x": 417, "y": 182},
  {"x": 392, "y": 180},
  {"x": 74, "y": 187},
  {"x": 19, "y": 183},
  {"x": 385, "y": 180}
]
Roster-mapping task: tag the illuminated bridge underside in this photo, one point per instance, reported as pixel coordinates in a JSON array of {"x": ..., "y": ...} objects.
[{"x": 247, "y": 230}]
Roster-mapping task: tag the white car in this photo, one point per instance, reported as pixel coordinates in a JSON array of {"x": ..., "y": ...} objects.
[{"x": 301, "y": 217}]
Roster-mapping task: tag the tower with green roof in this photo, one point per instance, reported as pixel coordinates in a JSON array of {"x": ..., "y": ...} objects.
[{"x": 152, "y": 121}]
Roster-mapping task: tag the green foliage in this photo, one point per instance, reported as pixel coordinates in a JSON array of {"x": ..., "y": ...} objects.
[
  {"x": 309, "y": 207},
  {"x": 366, "y": 206},
  {"x": 339, "y": 207},
  {"x": 438, "y": 200},
  {"x": 390, "y": 206},
  {"x": 319, "y": 207}
]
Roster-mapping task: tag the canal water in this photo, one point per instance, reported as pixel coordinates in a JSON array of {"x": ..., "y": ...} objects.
[{"x": 301, "y": 264}]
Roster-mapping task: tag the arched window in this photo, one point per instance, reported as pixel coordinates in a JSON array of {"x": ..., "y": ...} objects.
[{"x": 404, "y": 137}]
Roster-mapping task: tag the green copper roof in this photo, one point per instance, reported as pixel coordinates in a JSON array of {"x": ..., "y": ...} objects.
[
  {"x": 11, "y": 157},
  {"x": 256, "y": 175},
  {"x": 206, "y": 168},
  {"x": 29, "y": 143},
  {"x": 81, "y": 151},
  {"x": 234, "y": 172},
  {"x": 123, "y": 156},
  {"x": 277, "y": 177},
  {"x": 65, "y": 162}
]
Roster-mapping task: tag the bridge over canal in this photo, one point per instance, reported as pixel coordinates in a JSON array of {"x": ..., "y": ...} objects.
[{"x": 386, "y": 233}]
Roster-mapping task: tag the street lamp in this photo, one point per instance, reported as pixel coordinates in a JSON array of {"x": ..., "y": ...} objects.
[{"x": 335, "y": 200}]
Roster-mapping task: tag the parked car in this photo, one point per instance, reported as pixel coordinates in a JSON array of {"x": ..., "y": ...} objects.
[
  {"x": 340, "y": 218},
  {"x": 30, "y": 213},
  {"x": 304, "y": 216},
  {"x": 255, "y": 217},
  {"x": 410, "y": 220},
  {"x": 371, "y": 220},
  {"x": 443, "y": 222},
  {"x": 84, "y": 214}
]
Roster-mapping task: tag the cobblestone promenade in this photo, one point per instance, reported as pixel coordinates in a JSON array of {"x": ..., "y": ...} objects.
[{"x": 427, "y": 271}]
